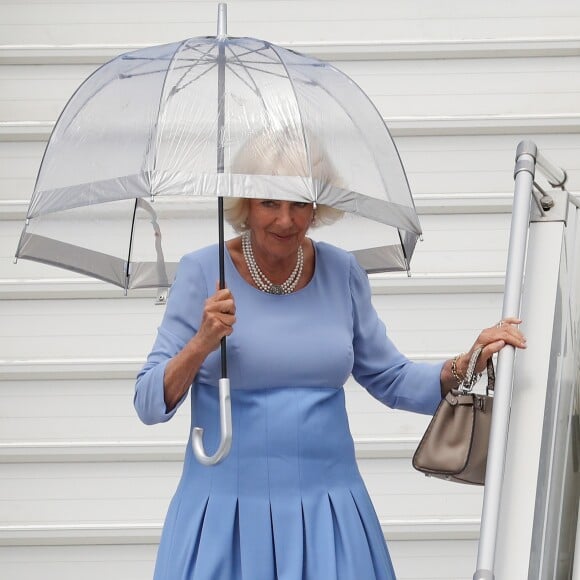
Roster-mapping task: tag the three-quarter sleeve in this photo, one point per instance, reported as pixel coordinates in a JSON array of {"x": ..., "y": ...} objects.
[
  {"x": 387, "y": 374},
  {"x": 180, "y": 323}
]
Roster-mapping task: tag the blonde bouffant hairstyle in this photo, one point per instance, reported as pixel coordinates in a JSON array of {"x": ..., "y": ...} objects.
[{"x": 281, "y": 152}]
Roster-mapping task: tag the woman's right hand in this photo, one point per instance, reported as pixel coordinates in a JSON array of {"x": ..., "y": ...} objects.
[{"x": 218, "y": 319}]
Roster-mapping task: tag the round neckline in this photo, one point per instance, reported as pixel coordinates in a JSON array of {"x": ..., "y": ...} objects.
[{"x": 261, "y": 292}]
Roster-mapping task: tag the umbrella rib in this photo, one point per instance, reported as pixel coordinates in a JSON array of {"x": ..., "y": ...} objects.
[
  {"x": 404, "y": 250},
  {"x": 272, "y": 73},
  {"x": 177, "y": 138},
  {"x": 153, "y": 72},
  {"x": 142, "y": 61},
  {"x": 253, "y": 88},
  {"x": 260, "y": 50},
  {"x": 214, "y": 63},
  {"x": 97, "y": 91},
  {"x": 196, "y": 48},
  {"x": 170, "y": 59},
  {"x": 250, "y": 79},
  {"x": 155, "y": 137},
  {"x": 178, "y": 88},
  {"x": 306, "y": 144},
  {"x": 370, "y": 149},
  {"x": 131, "y": 56},
  {"x": 131, "y": 235},
  {"x": 193, "y": 63},
  {"x": 188, "y": 62}
]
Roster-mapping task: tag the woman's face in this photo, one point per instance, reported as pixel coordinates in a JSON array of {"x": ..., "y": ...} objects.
[{"x": 278, "y": 227}]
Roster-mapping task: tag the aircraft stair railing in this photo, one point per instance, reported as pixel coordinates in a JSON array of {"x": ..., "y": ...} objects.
[{"x": 530, "y": 507}]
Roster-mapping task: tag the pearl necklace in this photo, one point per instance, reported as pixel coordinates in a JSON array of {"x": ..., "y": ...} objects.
[{"x": 260, "y": 279}]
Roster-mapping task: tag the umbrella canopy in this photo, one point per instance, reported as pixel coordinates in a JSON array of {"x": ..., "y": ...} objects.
[{"x": 177, "y": 124}]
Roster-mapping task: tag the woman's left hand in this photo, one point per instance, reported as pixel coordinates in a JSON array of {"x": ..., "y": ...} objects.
[{"x": 492, "y": 340}]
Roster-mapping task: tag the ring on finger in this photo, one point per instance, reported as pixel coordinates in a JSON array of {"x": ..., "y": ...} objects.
[{"x": 500, "y": 324}]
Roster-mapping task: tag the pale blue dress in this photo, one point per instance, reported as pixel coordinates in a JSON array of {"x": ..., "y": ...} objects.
[{"x": 288, "y": 503}]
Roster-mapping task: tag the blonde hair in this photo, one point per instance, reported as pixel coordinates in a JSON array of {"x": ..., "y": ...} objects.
[{"x": 281, "y": 152}]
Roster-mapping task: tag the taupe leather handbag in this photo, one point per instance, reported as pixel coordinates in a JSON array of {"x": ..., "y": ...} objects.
[{"x": 454, "y": 446}]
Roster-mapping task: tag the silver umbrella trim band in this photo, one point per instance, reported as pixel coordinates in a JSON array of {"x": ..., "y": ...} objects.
[
  {"x": 156, "y": 274},
  {"x": 161, "y": 184}
]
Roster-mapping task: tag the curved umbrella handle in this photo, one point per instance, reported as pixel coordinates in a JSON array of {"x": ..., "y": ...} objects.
[{"x": 225, "y": 426}]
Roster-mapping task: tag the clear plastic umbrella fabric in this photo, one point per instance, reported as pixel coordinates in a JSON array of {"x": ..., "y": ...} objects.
[{"x": 133, "y": 166}]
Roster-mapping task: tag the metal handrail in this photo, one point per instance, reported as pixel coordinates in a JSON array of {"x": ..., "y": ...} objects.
[
  {"x": 555, "y": 175},
  {"x": 527, "y": 160}
]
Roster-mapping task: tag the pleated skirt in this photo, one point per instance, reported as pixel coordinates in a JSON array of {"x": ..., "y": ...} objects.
[{"x": 288, "y": 503}]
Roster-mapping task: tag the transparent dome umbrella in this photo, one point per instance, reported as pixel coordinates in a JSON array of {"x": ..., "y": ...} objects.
[{"x": 144, "y": 145}]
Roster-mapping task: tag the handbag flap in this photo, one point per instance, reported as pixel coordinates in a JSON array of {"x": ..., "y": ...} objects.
[{"x": 445, "y": 445}]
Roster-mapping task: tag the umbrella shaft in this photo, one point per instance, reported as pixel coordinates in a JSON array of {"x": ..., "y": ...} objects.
[{"x": 220, "y": 169}]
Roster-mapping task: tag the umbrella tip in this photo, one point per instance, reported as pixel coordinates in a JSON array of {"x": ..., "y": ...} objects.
[{"x": 222, "y": 24}]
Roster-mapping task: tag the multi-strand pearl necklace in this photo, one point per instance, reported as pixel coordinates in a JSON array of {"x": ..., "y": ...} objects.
[{"x": 260, "y": 279}]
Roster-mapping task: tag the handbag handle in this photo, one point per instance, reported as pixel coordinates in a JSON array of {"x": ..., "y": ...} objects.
[
  {"x": 471, "y": 376},
  {"x": 490, "y": 377}
]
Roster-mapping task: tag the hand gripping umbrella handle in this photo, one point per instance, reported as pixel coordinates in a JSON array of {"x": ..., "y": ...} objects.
[{"x": 225, "y": 429}]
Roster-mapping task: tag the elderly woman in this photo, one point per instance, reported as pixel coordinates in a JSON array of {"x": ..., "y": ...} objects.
[{"x": 288, "y": 502}]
